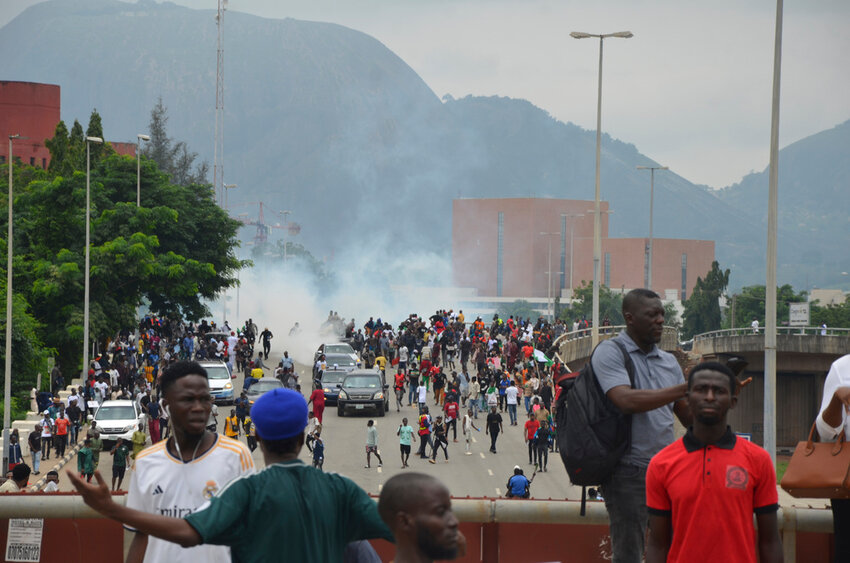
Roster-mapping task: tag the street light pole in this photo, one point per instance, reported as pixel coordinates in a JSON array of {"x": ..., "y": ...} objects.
[
  {"x": 7, "y": 376},
  {"x": 227, "y": 187},
  {"x": 652, "y": 170},
  {"x": 89, "y": 141},
  {"x": 139, "y": 138},
  {"x": 597, "y": 219},
  {"x": 772, "y": 219},
  {"x": 549, "y": 308},
  {"x": 573, "y": 217}
]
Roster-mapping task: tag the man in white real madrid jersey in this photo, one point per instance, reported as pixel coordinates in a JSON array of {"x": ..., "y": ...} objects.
[{"x": 176, "y": 476}]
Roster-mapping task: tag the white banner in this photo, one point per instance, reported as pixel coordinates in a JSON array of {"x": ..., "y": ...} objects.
[{"x": 799, "y": 314}]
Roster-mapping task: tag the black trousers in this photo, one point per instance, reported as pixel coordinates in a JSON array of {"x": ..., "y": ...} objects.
[{"x": 493, "y": 436}]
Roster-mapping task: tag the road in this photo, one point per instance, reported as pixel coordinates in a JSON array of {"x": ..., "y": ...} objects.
[{"x": 481, "y": 474}]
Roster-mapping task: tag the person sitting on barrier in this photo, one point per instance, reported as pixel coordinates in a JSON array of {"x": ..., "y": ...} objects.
[
  {"x": 518, "y": 485},
  {"x": 417, "y": 509}
]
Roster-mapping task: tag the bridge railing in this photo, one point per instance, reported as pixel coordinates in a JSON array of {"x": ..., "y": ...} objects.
[
  {"x": 473, "y": 510},
  {"x": 788, "y": 330}
]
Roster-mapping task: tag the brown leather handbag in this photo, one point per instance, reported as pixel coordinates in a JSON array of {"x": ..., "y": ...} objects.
[{"x": 819, "y": 470}]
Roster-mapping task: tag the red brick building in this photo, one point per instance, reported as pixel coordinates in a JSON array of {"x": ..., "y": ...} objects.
[
  {"x": 30, "y": 110},
  {"x": 503, "y": 248}
]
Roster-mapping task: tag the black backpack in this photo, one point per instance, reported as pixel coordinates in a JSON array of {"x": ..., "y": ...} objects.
[{"x": 593, "y": 434}]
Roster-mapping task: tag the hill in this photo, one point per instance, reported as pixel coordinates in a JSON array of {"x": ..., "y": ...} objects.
[{"x": 326, "y": 122}]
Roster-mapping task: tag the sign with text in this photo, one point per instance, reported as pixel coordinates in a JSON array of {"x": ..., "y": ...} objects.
[
  {"x": 23, "y": 542},
  {"x": 798, "y": 314}
]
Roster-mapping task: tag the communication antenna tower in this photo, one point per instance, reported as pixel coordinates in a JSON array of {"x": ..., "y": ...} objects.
[{"x": 218, "y": 150}]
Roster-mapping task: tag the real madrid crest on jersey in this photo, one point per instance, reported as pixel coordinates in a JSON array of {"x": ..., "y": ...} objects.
[{"x": 210, "y": 490}]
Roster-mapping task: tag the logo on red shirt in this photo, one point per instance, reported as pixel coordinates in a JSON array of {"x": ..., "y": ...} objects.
[{"x": 736, "y": 477}]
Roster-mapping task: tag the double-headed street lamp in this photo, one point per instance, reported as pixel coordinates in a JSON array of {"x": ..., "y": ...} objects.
[
  {"x": 597, "y": 219},
  {"x": 549, "y": 288},
  {"x": 89, "y": 141},
  {"x": 139, "y": 138},
  {"x": 652, "y": 170},
  {"x": 7, "y": 376}
]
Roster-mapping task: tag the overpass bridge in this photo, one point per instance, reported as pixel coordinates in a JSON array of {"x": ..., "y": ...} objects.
[{"x": 803, "y": 358}]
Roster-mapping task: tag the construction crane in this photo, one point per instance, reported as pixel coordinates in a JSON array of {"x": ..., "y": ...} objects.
[{"x": 263, "y": 228}]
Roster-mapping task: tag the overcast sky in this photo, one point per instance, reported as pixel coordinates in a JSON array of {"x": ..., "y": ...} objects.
[{"x": 691, "y": 89}]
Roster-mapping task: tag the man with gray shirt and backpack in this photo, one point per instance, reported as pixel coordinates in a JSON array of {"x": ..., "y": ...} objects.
[{"x": 658, "y": 393}]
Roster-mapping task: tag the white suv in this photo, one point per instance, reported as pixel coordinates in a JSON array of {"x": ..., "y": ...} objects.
[{"x": 117, "y": 419}]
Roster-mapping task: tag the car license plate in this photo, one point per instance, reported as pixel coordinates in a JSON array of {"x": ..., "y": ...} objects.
[{"x": 358, "y": 406}]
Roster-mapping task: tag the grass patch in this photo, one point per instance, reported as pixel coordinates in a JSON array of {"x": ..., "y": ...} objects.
[{"x": 781, "y": 466}]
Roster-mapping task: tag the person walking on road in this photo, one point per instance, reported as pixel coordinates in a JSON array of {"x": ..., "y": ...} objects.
[
  {"x": 120, "y": 452},
  {"x": 405, "y": 436},
  {"x": 467, "y": 427},
  {"x": 511, "y": 394},
  {"x": 85, "y": 463},
  {"x": 494, "y": 426},
  {"x": 266, "y": 336},
  {"x": 317, "y": 398},
  {"x": 372, "y": 444},
  {"x": 531, "y": 426},
  {"x": 424, "y": 432},
  {"x": 34, "y": 442},
  {"x": 441, "y": 440}
]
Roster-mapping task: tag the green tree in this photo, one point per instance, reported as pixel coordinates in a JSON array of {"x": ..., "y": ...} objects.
[
  {"x": 702, "y": 309},
  {"x": 519, "y": 309},
  {"x": 750, "y": 304},
  {"x": 833, "y": 315},
  {"x": 95, "y": 129},
  {"x": 59, "y": 147},
  {"x": 76, "y": 157},
  {"x": 173, "y": 158},
  {"x": 174, "y": 255},
  {"x": 610, "y": 305}
]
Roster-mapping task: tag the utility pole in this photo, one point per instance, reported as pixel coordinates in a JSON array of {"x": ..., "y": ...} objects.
[{"x": 218, "y": 142}]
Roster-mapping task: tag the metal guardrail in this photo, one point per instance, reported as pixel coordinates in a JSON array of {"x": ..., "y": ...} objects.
[
  {"x": 786, "y": 330},
  {"x": 482, "y": 511}
]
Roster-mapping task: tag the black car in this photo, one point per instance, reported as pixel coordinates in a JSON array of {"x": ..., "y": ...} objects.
[
  {"x": 361, "y": 390},
  {"x": 331, "y": 380}
]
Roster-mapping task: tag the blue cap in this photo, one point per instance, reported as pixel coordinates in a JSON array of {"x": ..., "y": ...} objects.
[{"x": 279, "y": 414}]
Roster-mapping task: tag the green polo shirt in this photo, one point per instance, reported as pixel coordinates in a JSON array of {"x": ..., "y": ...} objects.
[{"x": 289, "y": 512}]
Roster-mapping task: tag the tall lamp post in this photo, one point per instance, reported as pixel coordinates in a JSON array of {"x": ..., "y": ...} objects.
[
  {"x": 572, "y": 216},
  {"x": 652, "y": 170},
  {"x": 89, "y": 141},
  {"x": 597, "y": 219},
  {"x": 139, "y": 138},
  {"x": 549, "y": 308},
  {"x": 7, "y": 376}
]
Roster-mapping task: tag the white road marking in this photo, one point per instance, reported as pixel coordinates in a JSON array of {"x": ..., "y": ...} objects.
[
  {"x": 380, "y": 470},
  {"x": 490, "y": 472},
  {"x": 498, "y": 492},
  {"x": 380, "y": 486},
  {"x": 482, "y": 455},
  {"x": 474, "y": 441}
]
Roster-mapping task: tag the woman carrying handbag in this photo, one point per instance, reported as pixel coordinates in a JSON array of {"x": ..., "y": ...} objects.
[{"x": 834, "y": 418}]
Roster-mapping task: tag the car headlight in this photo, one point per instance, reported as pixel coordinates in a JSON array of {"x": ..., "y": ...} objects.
[
  {"x": 343, "y": 395},
  {"x": 378, "y": 395},
  {"x": 228, "y": 385},
  {"x": 326, "y": 390},
  {"x": 128, "y": 428}
]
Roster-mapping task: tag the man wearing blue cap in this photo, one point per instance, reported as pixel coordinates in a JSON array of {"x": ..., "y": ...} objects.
[{"x": 315, "y": 514}]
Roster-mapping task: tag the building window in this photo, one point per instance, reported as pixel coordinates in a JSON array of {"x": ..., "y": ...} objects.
[
  {"x": 607, "y": 275},
  {"x": 44, "y": 163},
  {"x": 499, "y": 250},
  {"x": 2, "y": 159},
  {"x": 32, "y": 161},
  {"x": 684, "y": 276}
]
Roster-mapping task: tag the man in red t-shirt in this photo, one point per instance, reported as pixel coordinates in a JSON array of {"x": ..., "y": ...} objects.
[
  {"x": 531, "y": 426},
  {"x": 707, "y": 485},
  {"x": 451, "y": 409},
  {"x": 60, "y": 436}
]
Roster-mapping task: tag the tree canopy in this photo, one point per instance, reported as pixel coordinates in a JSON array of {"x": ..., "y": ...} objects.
[
  {"x": 702, "y": 308},
  {"x": 172, "y": 254}
]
